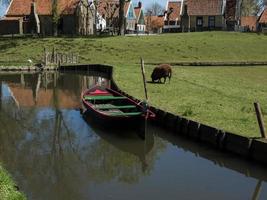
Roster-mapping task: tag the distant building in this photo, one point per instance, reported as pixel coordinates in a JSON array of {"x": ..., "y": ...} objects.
[
  {"x": 249, "y": 23},
  {"x": 154, "y": 24},
  {"x": 172, "y": 16},
  {"x": 205, "y": 14},
  {"x": 75, "y": 17},
  {"x": 140, "y": 25},
  {"x": 109, "y": 11},
  {"x": 263, "y": 21}
]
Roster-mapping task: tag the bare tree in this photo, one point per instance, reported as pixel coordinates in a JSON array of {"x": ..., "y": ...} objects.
[
  {"x": 121, "y": 18},
  {"x": 55, "y": 16},
  {"x": 155, "y": 9},
  {"x": 250, "y": 7},
  {"x": 110, "y": 9}
]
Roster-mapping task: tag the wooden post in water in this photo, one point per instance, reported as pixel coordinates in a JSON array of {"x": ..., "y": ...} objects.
[
  {"x": 144, "y": 78},
  {"x": 260, "y": 119},
  {"x": 257, "y": 190}
]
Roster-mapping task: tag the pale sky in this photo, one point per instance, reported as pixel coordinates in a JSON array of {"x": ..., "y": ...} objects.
[{"x": 148, "y": 2}]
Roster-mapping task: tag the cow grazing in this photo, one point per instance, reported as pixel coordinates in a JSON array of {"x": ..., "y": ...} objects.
[{"x": 161, "y": 71}]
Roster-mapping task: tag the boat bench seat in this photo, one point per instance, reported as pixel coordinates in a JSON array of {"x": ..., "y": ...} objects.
[
  {"x": 108, "y": 106},
  {"x": 103, "y": 98},
  {"x": 124, "y": 114}
]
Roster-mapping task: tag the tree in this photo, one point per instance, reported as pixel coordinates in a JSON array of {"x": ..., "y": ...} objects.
[
  {"x": 121, "y": 18},
  {"x": 250, "y": 7},
  {"x": 155, "y": 9},
  {"x": 55, "y": 17}
]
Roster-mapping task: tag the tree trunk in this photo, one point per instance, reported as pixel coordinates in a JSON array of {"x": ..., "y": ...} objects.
[{"x": 121, "y": 18}]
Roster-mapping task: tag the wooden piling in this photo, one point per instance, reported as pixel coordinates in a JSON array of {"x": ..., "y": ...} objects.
[
  {"x": 144, "y": 77},
  {"x": 260, "y": 119}
]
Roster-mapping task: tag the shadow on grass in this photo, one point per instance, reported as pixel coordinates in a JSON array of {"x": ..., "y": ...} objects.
[{"x": 151, "y": 82}]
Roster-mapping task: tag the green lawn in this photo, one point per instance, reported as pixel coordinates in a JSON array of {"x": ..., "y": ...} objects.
[
  {"x": 7, "y": 188},
  {"x": 205, "y": 46}
]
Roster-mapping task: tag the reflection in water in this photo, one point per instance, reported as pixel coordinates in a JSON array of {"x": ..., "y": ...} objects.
[{"x": 53, "y": 153}]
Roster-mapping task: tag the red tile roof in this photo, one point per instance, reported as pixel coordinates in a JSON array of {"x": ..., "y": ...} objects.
[
  {"x": 263, "y": 17},
  {"x": 43, "y": 7},
  {"x": 137, "y": 11},
  {"x": 250, "y": 21},
  {"x": 204, "y": 7},
  {"x": 176, "y": 9}
]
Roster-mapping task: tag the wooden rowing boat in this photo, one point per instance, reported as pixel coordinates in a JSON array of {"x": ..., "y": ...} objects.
[{"x": 112, "y": 108}]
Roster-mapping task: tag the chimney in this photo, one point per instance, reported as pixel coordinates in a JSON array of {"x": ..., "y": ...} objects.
[{"x": 139, "y": 4}]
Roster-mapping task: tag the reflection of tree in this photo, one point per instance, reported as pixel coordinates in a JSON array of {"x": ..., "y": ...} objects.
[{"x": 51, "y": 156}]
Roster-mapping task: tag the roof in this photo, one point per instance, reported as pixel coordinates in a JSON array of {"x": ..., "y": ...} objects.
[
  {"x": 11, "y": 18},
  {"x": 263, "y": 17},
  {"x": 176, "y": 10},
  {"x": 106, "y": 7},
  {"x": 43, "y": 7},
  {"x": 250, "y": 21},
  {"x": 204, "y": 7},
  {"x": 156, "y": 21},
  {"x": 137, "y": 11}
]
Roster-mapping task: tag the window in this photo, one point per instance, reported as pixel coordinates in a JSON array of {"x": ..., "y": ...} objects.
[
  {"x": 199, "y": 21},
  {"x": 211, "y": 21}
]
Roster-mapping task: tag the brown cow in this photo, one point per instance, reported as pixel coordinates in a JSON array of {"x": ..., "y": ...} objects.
[{"x": 161, "y": 71}]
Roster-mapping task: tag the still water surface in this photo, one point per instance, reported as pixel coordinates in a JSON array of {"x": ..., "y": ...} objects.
[{"x": 54, "y": 153}]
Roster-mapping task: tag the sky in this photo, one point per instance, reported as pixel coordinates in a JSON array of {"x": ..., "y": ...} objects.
[{"x": 148, "y": 2}]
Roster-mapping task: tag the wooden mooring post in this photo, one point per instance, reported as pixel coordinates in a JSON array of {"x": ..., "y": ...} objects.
[{"x": 260, "y": 119}]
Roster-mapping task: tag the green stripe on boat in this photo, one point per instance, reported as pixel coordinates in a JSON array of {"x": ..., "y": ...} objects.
[
  {"x": 103, "y": 98},
  {"x": 100, "y": 107},
  {"x": 124, "y": 114}
]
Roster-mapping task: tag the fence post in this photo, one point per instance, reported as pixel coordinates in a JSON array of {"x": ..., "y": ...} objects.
[{"x": 260, "y": 119}]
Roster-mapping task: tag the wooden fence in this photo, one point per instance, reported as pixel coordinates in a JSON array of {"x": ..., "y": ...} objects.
[{"x": 58, "y": 58}]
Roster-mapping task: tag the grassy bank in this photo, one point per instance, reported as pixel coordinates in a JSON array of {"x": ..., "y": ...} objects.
[
  {"x": 206, "y": 46},
  {"x": 7, "y": 188}
]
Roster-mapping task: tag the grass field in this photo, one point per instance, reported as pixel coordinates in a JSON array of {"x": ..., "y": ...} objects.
[
  {"x": 7, "y": 188},
  {"x": 205, "y": 46}
]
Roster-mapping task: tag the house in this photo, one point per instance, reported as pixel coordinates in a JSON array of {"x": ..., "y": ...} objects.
[
  {"x": 140, "y": 25},
  {"x": 172, "y": 16},
  {"x": 48, "y": 17},
  {"x": 249, "y": 23},
  {"x": 154, "y": 24},
  {"x": 205, "y": 14},
  {"x": 263, "y": 21},
  {"x": 109, "y": 10}
]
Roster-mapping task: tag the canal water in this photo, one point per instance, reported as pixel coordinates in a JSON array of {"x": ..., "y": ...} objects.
[{"x": 53, "y": 152}]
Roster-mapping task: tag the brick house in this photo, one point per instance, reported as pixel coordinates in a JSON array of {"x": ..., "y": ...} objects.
[
  {"x": 76, "y": 17},
  {"x": 205, "y": 14},
  {"x": 154, "y": 24},
  {"x": 249, "y": 23},
  {"x": 140, "y": 25},
  {"x": 172, "y": 16},
  {"x": 263, "y": 21}
]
